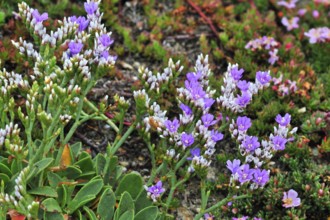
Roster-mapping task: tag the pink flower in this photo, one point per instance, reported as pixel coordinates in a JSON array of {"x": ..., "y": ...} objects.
[
  {"x": 316, "y": 14},
  {"x": 290, "y": 199},
  {"x": 302, "y": 12},
  {"x": 290, "y": 24}
]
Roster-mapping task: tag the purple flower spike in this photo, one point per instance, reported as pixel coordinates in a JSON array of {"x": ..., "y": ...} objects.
[
  {"x": 250, "y": 143},
  {"x": 283, "y": 121},
  {"x": 105, "y": 40},
  {"x": 90, "y": 7},
  {"x": 279, "y": 143},
  {"x": 216, "y": 136},
  {"x": 243, "y": 100},
  {"x": 263, "y": 77},
  {"x": 233, "y": 166},
  {"x": 172, "y": 126},
  {"x": 245, "y": 173},
  {"x": 196, "y": 152},
  {"x": 75, "y": 48},
  {"x": 243, "y": 123},
  {"x": 290, "y": 199},
  {"x": 236, "y": 73},
  {"x": 187, "y": 139},
  {"x": 261, "y": 177},
  {"x": 208, "y": 121},
  {"x": 39, "y": 18},
  {"x": 155, "y": 191},
  {"x": 243, "y": 85},
  {"x": 186, "y": 109}
]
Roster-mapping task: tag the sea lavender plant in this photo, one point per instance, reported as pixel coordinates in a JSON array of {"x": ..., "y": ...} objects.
[{"x": 188, "y": 141}]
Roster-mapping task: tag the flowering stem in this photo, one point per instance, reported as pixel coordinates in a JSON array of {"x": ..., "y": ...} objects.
[
  {"x": 217, "y": 205},
  {"x": 174, "y": 185},
  {"x": 102, "y": 116},
  {"x": 114, "y": 149},
  {"x": 154, "y": 173}
]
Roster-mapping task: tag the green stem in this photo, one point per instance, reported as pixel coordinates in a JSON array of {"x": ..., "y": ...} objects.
[
  {"x": 174, "y": 185},
  {"x": 220, "y": 203},
  {"x": 114, "y": 149},
  {"x": 154, "y": 173},
  {"x": 103, "y": 117}
]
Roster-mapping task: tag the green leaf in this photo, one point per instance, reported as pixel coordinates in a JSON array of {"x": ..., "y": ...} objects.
[
  {"x": 100, "y": 164},
  {"x": 76, "y": 149},
  {"x": 46, "y": 191},
  {"x": 105, "y": 208},
  {"x": 87, "y": 193},
  {"x": 126, "y": 204},
  {"x": 128, "y": 215},
  {"x": 51, "y": 205},
  {"x": 85, "y": 164},
  {"x": 149, "y": 213},
  {"x": 71, "y": 172},
  {"x": 5, "y": 170},
  {"x": 131, "y": 183},
  {"x": 53, "y": 179},
  {"x": 91, "y": 215},
  {"x": 53, "y": 216},
  {"x": 142, "y": 201},
  {"x": 4, "y": 178},
  {"x": 40, "y": 166}
]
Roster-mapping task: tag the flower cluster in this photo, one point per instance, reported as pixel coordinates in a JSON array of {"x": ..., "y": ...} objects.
[
  {"x": 237, "y": 93},
  {"x": 192, "y": 129},
  {"x": 318, "y": 35},
  {"x": 284, "y": 88},
  {"x": 266, "y": 43},
  {"x": 257, "y": 152}
]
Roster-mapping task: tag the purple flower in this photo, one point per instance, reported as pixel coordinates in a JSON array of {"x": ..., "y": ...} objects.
[
  {"x": 197, "y": 93},
  {"x": 186, "y": 109},
  {"x": 243, "y": 123},
  {"x": 314, "y": 35},
  {"x": 187, "y": 139},
  {"x": 283, "y": 121},
  {"x": 172, "y": 126},
  {"x": 236, "y": 73},
  {"x": 90, "y": 7},
  {"x": 208, "y": 102},
  {"x": 279, "y": 143},
  {"x": 39, "y": 18},
  {"x": 156, "y": 190},
  {"x": 196, "y": 152},
  {"x": 316, "y": 14},
  {"x": 81, "y": 21},
  {"x": 192, "y": 76},
  {"x": 261, "y": 177},
  {"x": 241, "y": 218},
  {"x": 290, "y": 24},
  {"x": 207, "y": 120},
  {"x": 273, "y": 56},
  {"x": 290, "y": 199},
  {"x": 243, "y": 100},
  {"x": 216, "y": 136},
  {"x": 75, "y": 48},
  {"x": 233, "y": 166},
  {"x": 207, "y": 216},
  {"x": 291, "y": 4},
  {"x": 245, "y": 174},
  {"x": 302, "y": 12},
  {"x": 105, "y": 40},
  {"x": 263, "y": 77},
  {"x": 243, "y": 85},
  {"x": 250, "y": 143}
]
